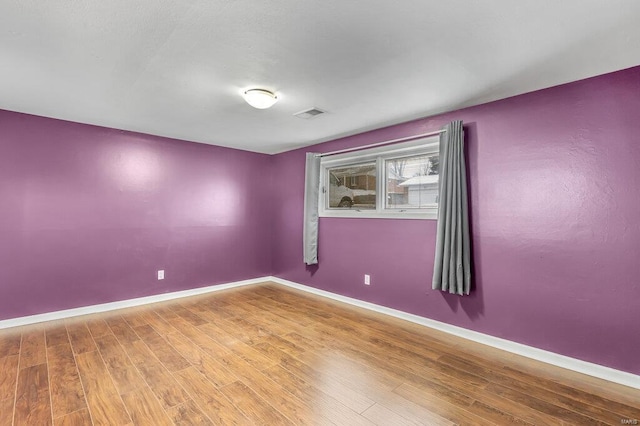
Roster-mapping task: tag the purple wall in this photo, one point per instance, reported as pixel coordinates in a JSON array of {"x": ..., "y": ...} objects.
[
  {"x": 554, "y": 181},
  {"x": 89, "y": 214}
]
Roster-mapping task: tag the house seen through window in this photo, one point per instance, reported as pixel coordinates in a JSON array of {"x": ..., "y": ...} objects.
[{"x": 397, "y": 181}]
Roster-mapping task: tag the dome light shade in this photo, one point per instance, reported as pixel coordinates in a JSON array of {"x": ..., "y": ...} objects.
[{"x": 260, "y": 98}]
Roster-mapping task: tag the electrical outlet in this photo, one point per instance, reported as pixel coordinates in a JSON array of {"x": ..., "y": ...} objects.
[
  {"x": 367, "y": 279},
  {"x": 161, "y": 274}
]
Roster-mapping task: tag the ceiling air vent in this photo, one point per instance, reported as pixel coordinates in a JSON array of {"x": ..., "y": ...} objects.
[{"x": 309, "y": 113}]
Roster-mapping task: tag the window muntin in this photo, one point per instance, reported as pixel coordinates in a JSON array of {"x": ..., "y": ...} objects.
[{"x": 396, "y": 181}]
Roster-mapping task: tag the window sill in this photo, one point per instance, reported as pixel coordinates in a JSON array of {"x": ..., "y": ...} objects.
[{"x": 352, "y": 214}]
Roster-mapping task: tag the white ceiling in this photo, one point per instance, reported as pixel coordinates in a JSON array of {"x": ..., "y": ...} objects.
[{"x": 176, "y": 67}]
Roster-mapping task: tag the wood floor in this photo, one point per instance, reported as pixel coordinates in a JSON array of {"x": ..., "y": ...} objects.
[{"x": 267, "y": 355}]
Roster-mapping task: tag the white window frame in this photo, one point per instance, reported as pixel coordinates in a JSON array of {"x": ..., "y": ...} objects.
[{"x": 424, "y": 146}]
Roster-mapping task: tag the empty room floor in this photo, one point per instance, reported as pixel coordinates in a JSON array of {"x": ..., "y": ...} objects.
[{"x": 268, "y": 355}]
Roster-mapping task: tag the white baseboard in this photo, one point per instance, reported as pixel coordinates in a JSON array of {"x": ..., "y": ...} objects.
[
  {"x": 584, "y": 367},
  {"x": 111, "y": 306}
]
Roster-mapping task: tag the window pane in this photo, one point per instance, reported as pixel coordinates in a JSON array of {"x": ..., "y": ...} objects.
[
  {"x": 412, "y": 182},
  {"x": 353, "y": 187}
]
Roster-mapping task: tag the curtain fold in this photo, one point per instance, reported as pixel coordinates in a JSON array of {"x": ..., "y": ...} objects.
[
  {"x": 452, "y": 266},
  {"x": 311, "y": 194}
]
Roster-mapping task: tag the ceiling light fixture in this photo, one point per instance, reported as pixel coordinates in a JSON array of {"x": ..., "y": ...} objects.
[{"x": 260, "y": 98}]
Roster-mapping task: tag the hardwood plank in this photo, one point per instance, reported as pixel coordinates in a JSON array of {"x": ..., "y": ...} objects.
[
  {"x": 145, "y": 409},
  {"x": 588, "y": 409},
  {"x": 123, "y": 372},
  {"x": 306, "y": 341},
  {"x": 134, "y": 319},
  {"x": 167, "y": 355},
  {"x": 207, "y": 310},
  {"x": 185, "y": 347},
  {"x": 219, "y": 335},
  {"x": 302, "y": 317},
  {"x": 316, "y": 307},
  {"x": 80, "y": 337},
  {"x": 241, "y": 327},
  {"x": 255, "y": 408},
  {"x": 328, "y": 384},
  {"x": 492, "y": 413},
  {"x": 252, "y": 356},
  {"x": 98, "y": 327},
  {"x": 542, "y": 406},
  {"x": 162, "y": 383},
  {"x": 369, "y": 382},
  {"x": 188, "y": 414},
  {"x": 380, "y": 339},
  {"x": 166, "y": 313},
  {"x": 441, "y": 408},
  {"x": 216, "y": 372},
  {"x": 6, "y": 411},
  {"x": 146, "y": 314},
  {"x": 270, "y": 351},
  {"x": 293, "y": 408},
  {"x": 279, "y": 313},
  {"x": 201, "y": 390},
  {"x": 338, "y": 413},
  {"x": 67, "y": 394},
  {"x": 239, "y": 367},
  {"x": 283, "y": 345},
  {"x": 32, "y": 404},
  {"x": 273, "y": 324},
  {"x": 105, "y": 404},
  {"x": 568, "y": 396},
  {"x": 198, "y": 336},
  {"x": 568, "y": 381},
  {"x": 354, "y": 373},
  {"x": 488, "y": 401},
  {"x": 33, "y": 348},
  {"x": 230, "y": 309},
  {"x": 213, "y": 369},
  {"x": 121, "y": 330},
  {"x": 412, "y": 368},
  {"x": 209, "y": 399},
  {"x": 77, "y": 418},
  {"x": 8, "y": 376},
  {"x": 427, "y": 375},
  {"x": 9, "y": 343},
  {"x": 546, "y": 390},
  {"x": 445, "y": 389},
  {"x": 395, "y": 335},
  {"x": 265, "y": 353},
  {"x": 382, "y": 416},
  {"x": 159, "y": 324},
  {"x": 571, "y": 383},
  {"x": 189, "y": 316},
  {"x": 325, "y": 406},
  {"x": 56, "y": 333},
  {"x": 410, "y": 410}
]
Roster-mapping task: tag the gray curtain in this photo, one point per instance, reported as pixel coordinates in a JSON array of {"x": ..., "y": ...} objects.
[
  {"x": 452, "y": 267},
  {"x": 311, "y": 188}
]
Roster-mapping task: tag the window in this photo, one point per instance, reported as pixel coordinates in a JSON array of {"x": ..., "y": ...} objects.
[{"x": 396, "y": 181}]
